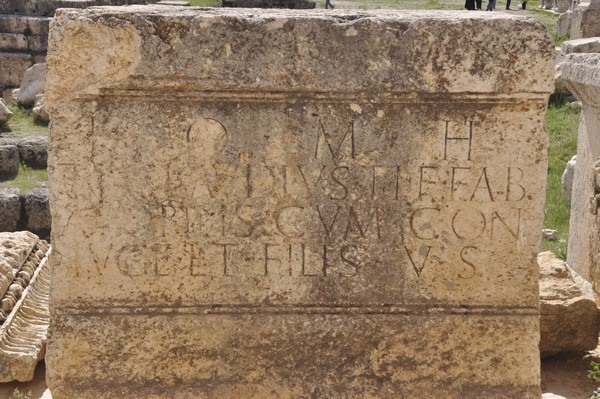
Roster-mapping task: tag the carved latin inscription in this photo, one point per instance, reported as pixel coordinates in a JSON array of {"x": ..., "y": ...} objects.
[{"x": 332, "y": 214}]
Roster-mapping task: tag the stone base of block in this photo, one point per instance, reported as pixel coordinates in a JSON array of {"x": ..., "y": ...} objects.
[{"x": 327, "y": 353}]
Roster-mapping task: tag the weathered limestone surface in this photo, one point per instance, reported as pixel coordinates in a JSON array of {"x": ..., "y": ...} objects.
[
  {"x": 33, "y": 150},
  {"x": 10, "y": 209},
  {"x": 584, "y": 20},
  {"x": 569, "y": 316},
  {"x": 9, "y": 160},
  {"x": 290, "y": 204},
  {"x": 580, "y": 74},
  {"x": 37, "y": 209},
  {"x": 32, "y": 84},
  {"x": 23, "y": 39},
  {"x": 293, "y": 4},
  {"x": 12, "y": 68},
  {"x": 40, "y": 114},
  {"x": 587, "y": 45},
  {"x": 5, "y": 112},
  {"x": 24, "y": 314}
]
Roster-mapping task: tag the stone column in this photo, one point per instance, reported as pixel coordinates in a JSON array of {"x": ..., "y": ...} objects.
[{"x": 270, "y": 204}]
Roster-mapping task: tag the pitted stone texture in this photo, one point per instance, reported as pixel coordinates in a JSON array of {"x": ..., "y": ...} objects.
[
  {"x": 584, "y": 20},
  {"x": 579, "y": 75},
  {"x": 291, "y": 204},
  {"x": 569, "y": 316},
  {"x": 33, "y": 150},
  {"x": 587, "y": 45},
  {"x": 563, "y": 23},
  {"x": 5, "y": 112},
  {"x": 25, "y": 24},
  {"x": 12, "y": 68},
  {"x": 10, "y": 209},
  {"x": 9, "y": 160},
  {"x": 37, "y": 209},
  {"x": 39, "y": 110},
  {"x": 32, "y": 84},
  {"x": 23, "y": 332}
]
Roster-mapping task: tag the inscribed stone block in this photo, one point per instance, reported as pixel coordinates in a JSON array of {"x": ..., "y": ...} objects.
[{"x": 293, "y": 204}]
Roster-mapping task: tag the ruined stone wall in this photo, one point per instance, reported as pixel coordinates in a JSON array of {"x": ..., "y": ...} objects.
[
  {"x": 24, "y": 28},
  {"x": 47, "y": 7}
]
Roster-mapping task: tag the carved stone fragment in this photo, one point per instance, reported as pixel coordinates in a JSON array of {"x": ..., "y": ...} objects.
[{"x": 24, "y": 314}]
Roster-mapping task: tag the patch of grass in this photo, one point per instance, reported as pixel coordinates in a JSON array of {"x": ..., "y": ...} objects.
[
  {"x": 22, "y": 122},
  {"x": 562, "y": 122},
  {"x": 545, "y": 17},
  {"x": 205, "y": 3},
  {"x": 19, "y": 395},
  {"x": 27, "y": 179}
]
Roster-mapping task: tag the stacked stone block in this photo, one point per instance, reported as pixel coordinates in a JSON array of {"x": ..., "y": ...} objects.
[{"x": 24, "y": 26}]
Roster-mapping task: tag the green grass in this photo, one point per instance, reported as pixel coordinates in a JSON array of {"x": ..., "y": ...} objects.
[
  {"x": 27, "y": 179},
  {"x": 20, "y": 395},
  {"x": 205, "y": 3},
  {"x": 21, "y": 124},
  {"x": 562, "y": 122}
]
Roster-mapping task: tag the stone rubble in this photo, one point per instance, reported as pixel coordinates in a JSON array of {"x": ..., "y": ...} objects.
[
  {"x": 5, "y": 113},
  {"x": 33, "y": 151},
  {"x": 569, "y": 316},
  {"x": 32, "y": 85},
  {"x": 9, "y": 160}
]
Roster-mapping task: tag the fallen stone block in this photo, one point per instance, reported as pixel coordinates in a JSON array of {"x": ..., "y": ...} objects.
[
  {"x": 32, "y": 84},
  {"x": 37, "y": 211},
  {"x": 10, "y": 209},
  {"x": 13, "y": 41},
  {"x": 9, "y": 161},
  {"x": 33, "y": 150},
  {"x": 28, "y": 25},
  {"x": 5, "y": 112},
  {"x": 12, "y": 68},
  {"x": 39, "y": 110},
  {"x": 587, "y": 45},
  {"x": 569, "y": 316}
]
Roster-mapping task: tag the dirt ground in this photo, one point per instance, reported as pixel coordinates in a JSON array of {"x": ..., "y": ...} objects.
[
  {"x": 563, "y": 375},
  {"x": 566, "y": 375}
]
